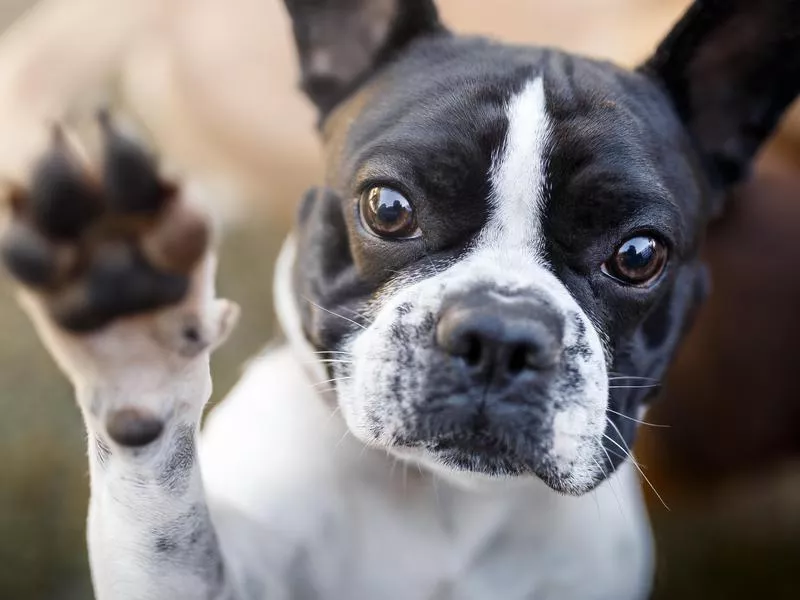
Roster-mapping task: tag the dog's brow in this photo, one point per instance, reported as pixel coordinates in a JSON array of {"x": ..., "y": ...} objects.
[{"x": 518, "y": 174}]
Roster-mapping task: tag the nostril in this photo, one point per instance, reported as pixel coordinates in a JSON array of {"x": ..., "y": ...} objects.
[
  {"x": 500, "y": 339},
  {"x": 518, "y": 360},
  {"x": 133, "y": 428},
  {"x": 473, "y": 352}
]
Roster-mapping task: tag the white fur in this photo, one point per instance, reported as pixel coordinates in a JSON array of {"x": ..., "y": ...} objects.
[{"x": 518, "y": 174}]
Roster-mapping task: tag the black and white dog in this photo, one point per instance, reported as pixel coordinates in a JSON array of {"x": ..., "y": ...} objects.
[{"x": 503, "y": 256}]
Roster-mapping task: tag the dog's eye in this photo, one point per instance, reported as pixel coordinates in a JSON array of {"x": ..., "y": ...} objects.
[
  {"x": 637, "y": 261},
  {"x": 388, "y": 214}
]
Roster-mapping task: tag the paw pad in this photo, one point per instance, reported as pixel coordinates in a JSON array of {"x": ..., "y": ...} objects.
[
  {"x": 133, "y": 427},
  {"x": 100, "y": 247}
]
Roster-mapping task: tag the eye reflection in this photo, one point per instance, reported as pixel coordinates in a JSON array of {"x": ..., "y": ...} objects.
[
  {"x": 637, "y": 261},
  {"x": 388, "y": 214}
]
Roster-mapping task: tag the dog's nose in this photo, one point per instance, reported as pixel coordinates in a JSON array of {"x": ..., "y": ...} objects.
[{"x": 501, "y": 337}]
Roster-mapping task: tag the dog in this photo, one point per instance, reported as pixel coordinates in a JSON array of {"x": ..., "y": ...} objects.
[{"x": 502, "y": 258}]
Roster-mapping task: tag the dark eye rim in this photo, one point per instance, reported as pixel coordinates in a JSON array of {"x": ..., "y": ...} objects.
[
  {"x": 360, "y": 196},
  {"x": 651, "y": 282}
]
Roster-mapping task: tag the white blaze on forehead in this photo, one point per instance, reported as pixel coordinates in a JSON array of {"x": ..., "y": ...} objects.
[{"x": 518, "y": 175}]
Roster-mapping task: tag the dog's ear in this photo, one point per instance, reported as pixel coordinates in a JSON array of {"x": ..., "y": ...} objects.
[
  {"x": 341, "y": 42},
  {"x": 731, "y": 68}
]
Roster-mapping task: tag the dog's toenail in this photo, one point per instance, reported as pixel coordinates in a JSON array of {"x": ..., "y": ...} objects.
[{"x": 133, "y": 428}]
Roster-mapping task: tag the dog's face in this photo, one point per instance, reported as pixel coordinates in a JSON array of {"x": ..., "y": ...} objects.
[{"x": 504, "y": 256}]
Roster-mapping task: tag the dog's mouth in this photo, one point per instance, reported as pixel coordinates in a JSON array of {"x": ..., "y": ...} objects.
[
  {"x": 499, "y": 450},
  {"x": 481, "y": 454},
  {"x": 483, "y": 450}
]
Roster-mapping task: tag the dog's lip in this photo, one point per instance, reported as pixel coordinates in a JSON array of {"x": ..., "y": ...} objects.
[
  {"x": 495, "y": 452},
  {"x": 476, "y": 444},
  {"x": 483, "y": 449}
]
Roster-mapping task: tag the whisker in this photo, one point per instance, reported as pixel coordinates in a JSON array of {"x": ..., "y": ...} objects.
[
  {"x": 605, "y": 476},
  {"x": 341, "y": 439},
  {"x": 358, "y": 314},
  {"x": 634, "y": 387},
  {"x": 335, "y": 314},
  {"x": 617, "y": 454},
  {"x": 433, "y": 266},
  {"x": 329, "y": 361},
  {"x": 333, "y": 352},
  {"x": 618, "y": 375},
  {"x": 635, "y": 464},
  {"x": 326, "y": 390},
  {"x": 334, "y": 380},
  {"x": 622, "y": 439},
  {"x": 600, "y": 467},
  {"x": 334, "y": 412},
  {"x": 644, "y": 379},
  {"x": 603, "y": 447},
  {"x": 624, "y": 416},
  {"x": 610, "y": 486}
]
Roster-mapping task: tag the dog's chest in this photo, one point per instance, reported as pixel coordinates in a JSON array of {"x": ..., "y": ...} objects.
[
  {"x": 344, "y": 523},
  {"x": 444, "y": 543},
  {"x": 427, "y": 540}
]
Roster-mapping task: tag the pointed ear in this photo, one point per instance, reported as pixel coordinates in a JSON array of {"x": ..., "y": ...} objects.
[
  {"x": 341, "y": 42},
  {"x": 731, "y": 68}
]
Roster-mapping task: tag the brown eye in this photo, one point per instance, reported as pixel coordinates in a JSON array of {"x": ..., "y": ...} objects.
[
  {"x": 637, "y": 261},
  {"x": 388, "y": 213}
]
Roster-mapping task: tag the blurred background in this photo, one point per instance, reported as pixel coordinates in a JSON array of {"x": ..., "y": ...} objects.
[{"x": 214, "y": 83}]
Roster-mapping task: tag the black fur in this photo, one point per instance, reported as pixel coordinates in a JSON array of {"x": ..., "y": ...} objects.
[
  {"x": 731, "y": 67},
  {"x": 357, "y": 36}
]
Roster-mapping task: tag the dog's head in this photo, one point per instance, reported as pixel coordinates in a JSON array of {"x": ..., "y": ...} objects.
[{"x": 505, "y": 252}]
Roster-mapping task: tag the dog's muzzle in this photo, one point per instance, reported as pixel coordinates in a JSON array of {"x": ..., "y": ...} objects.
[{"x": 496, "y": 355}]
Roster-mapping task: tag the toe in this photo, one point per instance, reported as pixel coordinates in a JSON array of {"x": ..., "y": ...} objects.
[
  {"x": 63, "y": 201},
  {"x": 130, "y": 175},
  {"x": 178, "y": 240},
  {"x": 30, "y": 257}
]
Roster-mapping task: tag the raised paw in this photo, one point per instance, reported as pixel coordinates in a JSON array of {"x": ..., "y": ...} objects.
[
  {"x": 97, "y": 244},
  {"x": 117, "y": 275}
]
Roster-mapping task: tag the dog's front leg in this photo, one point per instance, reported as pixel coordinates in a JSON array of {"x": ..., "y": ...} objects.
[{"x": 117, "y": 277}]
